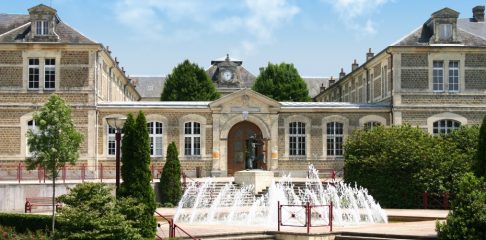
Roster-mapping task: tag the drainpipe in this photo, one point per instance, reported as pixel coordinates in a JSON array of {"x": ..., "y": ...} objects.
[
  {"x": 367, "y": 89},
  {"x": 392, "y": 89}
]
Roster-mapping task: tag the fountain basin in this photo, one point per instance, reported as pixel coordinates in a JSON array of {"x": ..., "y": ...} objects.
[{"x": 259, "y": 179}]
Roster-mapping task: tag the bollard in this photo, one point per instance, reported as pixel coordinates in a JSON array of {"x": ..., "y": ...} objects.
[
  {"x": 279, "y": 215},
  {"x": 425, "y": 200}
]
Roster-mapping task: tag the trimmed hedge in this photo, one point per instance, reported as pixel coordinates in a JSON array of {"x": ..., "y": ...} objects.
[{"x": 26, "y": 222}]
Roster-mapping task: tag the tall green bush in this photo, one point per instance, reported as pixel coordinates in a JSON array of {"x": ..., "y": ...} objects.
[
  {"x": 25, "y": 222},
  {"x": 170, "y": 180},
  {"x": 467, "y": 220},
  {"x": 136, "y": 173},
  {"x": 91, "y": 212},
  {"x": 480, "y": 160},
  {"x": 400, "y": 162}
]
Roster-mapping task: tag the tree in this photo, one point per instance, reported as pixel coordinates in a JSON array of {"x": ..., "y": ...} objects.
[
  {"x": 91, "y": 212},
  {"x": 55, "y": 142},
  {"x": 467, "y": 220},
  {"x": 480, "y": 159},
  {"x": 136, "y": 173},
  {"x": 282, "y": 82},
  {"x": 170, "y": 180},
  {"x": 188, "y": 82}
]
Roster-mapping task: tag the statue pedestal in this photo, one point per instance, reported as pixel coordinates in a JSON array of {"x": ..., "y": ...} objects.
[{"x": 260, "y": 179}]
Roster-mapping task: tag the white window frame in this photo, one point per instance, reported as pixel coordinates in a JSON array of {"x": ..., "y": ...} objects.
[
  {"x": 445, "y": 126},
  {"x": 297, "y": 138},
  {"x": 453, "y": 83},
  {"x": 30, "y": 126},
  {"x": 111, "y": 140},
  {"x": 49, "y": 73},
  {"x": 156, "y": 130},
  {"x": 335, "y": 139},
  {"x": 33, "y": 74},
  {"x": 438, "y": 76},
  {"x": 371, "y": 124},
  {"x": 192, "y": 138},
  {"x": 42, "y": 27}
]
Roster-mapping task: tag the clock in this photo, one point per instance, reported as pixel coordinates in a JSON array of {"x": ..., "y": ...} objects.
[{"x": 227, "y": 75}]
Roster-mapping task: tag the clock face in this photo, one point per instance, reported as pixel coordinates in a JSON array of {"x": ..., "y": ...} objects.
[{"x": 227, "y": 75}]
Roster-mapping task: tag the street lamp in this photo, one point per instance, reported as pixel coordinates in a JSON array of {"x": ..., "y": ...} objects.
[{"x": 117, "y": 123}]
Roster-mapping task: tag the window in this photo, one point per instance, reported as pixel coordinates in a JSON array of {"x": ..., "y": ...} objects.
[
  {"x": 297, "y": 139},
  {"x": 33, "y": 73},
  {"x": 438, "y": 76},
  {"x": 41, "y": 27},
  {"x": 155, "y": 135},
  {"x": 371, "y": 125},
  {"x": 111, "y": 140},
  {"x": 384, "y": 82},
  {"x": 50, "y": 73},
  {"x": 445, "y": 32},
  {"x": 445, "y": 126},
  {"x": 453, "y": 76},
  {"x": 31, "y": 125},
  {"x": 192, "y": 138},
  {"x": 334, "y": 139}
]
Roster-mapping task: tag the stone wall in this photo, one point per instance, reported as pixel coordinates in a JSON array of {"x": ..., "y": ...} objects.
[
  {"x": 414, "y": 60},
  {"x": 475, "y": 79},
  {"x": 74, "y": 57},
  {"x": 10, "y": 140},
  {"x": 72, "y": 98},
  {"x": 74, "y": 77},
  {"x": 444, "y": 99},
  {"x": 10, "y": 76},
  {"x": 415, "y": 78},
  {"x": 475, "y": 60}
]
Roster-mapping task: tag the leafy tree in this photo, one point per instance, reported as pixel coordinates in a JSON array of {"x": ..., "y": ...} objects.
[
  {"x": 467, "y": 220},
  {"x": 282, "y": 82},
  {"x": 188, "y": 82},
  {"x": 480, "y": 160},
  {"x": 170, "y": 181},
  {"x": 55, "y": 142},
  {"x": 136, "y": 173},
  {"x": 91, "y": 212},
  {"x": 397, "y": 162}
]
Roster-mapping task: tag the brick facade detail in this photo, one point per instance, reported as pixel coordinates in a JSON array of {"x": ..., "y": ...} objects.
[
  {"x": 74, "y": 77},
  {"x": 10, "y": 57},
  {"x": 414, "y": 60},
  {"x": 10, "y": 76},
  {"x": 415, "y": 78},
  {"x": 474, "y": 79},
  {"x": 475, "y": 60},
  {"x": 74, "y": 57}
]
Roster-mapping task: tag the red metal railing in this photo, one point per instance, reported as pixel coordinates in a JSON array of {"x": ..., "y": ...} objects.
[
  {"x": 307, "y": 208},
  {"x": 173, "y": 228},
  {"x": 81, "y": 172}
]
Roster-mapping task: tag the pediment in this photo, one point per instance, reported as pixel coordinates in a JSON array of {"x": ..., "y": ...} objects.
[
  {"x": 445, "y": 13},
  {"x": 244, "y": 100}
]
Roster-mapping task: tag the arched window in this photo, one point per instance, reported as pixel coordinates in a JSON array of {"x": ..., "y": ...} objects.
[
  {"x": 111, "y": 140},
  {"x": 445, "y": 126},
  {"x": 372, "y": 124},
  {"x": 155, "y": 135},
  {"x": 192, "y": 139},
  {"x": 31, "y": 125},
  {"x": 297, "y": 139},
  {"x": 334, "y": 139}
]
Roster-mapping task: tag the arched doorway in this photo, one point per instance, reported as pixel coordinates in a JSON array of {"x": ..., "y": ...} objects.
[{"x": 237, "y": 146}]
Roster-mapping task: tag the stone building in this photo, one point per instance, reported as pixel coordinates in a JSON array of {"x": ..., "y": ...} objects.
[{"x": 433, "y": 78}]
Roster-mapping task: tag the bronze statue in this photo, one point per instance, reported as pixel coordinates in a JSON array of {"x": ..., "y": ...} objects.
[{"x": 252, "y": 144}]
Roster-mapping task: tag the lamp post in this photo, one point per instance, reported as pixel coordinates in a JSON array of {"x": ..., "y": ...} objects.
[{"x": 117, "y": 123}]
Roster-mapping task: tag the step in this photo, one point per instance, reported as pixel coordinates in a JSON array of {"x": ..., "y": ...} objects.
[
  {"x": 357, "y": 237},
  {"x": 240, "y": 237}
]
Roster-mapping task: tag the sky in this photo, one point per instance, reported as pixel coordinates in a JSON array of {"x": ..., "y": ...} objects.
[{"x": 150, "y": 37}]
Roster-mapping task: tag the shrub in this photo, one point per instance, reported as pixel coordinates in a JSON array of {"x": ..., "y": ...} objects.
[
  {"x": 170, "y": 180},
  {"x": 467, "y": 220},
  {"x": 25, "y": 222},
  {"x": 10, "y": 234}
]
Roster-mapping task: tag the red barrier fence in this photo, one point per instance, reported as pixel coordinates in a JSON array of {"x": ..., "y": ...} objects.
[
  {"x": 174, "y": 229},
  {"x": 302, "y": 215},
  {"x": 81, "y": 172}
]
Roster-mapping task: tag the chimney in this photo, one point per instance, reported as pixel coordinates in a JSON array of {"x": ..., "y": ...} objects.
[
  {"x": 342, "y": 73},
  {"x": 369, "y": 54},
  {"x": 331, "y": 81},
  {"x": 108, "y": 49},
  {"x": 354, "y": 65},
  {"x": 116, "y": 61},
  {"x": 478, "y": 13},
  {"x": 322, "y": 87},
  {"x": 123, "y": 70}
]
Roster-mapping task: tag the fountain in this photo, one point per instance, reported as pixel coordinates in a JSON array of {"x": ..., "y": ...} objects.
[{"x": 207, "y": 203}]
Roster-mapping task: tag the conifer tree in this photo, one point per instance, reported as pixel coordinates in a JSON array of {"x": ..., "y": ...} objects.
[
  {"x": 480, "y": 161},
  {"x": 136, "y": 173},
  {"x": 170, "y": 181}
]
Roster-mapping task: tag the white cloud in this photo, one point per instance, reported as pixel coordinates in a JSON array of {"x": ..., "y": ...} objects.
[
  {"x": 255, "y": 20},
  {"x": 356, "y": 14}
]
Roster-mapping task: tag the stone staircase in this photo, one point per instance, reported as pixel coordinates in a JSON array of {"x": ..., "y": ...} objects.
[
  {"x": 370, "y": 236},
  {"x": 239, "y": 236}
]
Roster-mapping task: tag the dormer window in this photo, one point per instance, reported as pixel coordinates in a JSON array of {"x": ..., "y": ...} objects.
[
  {"x": 445, "y": 32},
  {"x": 42, "y": 27}
]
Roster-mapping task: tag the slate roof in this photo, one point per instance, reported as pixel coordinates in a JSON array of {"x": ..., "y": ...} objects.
[
  {"x": 470, "y": 33},
  {"x": 314, "y": 84},
  {"x": 149, "y": 86},
  {"x": 16, "y": 28}
]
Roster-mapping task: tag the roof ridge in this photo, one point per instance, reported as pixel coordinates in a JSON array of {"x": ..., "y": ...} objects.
[{"x": 15, "y": 29}]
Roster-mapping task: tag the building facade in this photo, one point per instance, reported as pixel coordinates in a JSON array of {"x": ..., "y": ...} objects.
[{"x": 433, "y": 78}]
